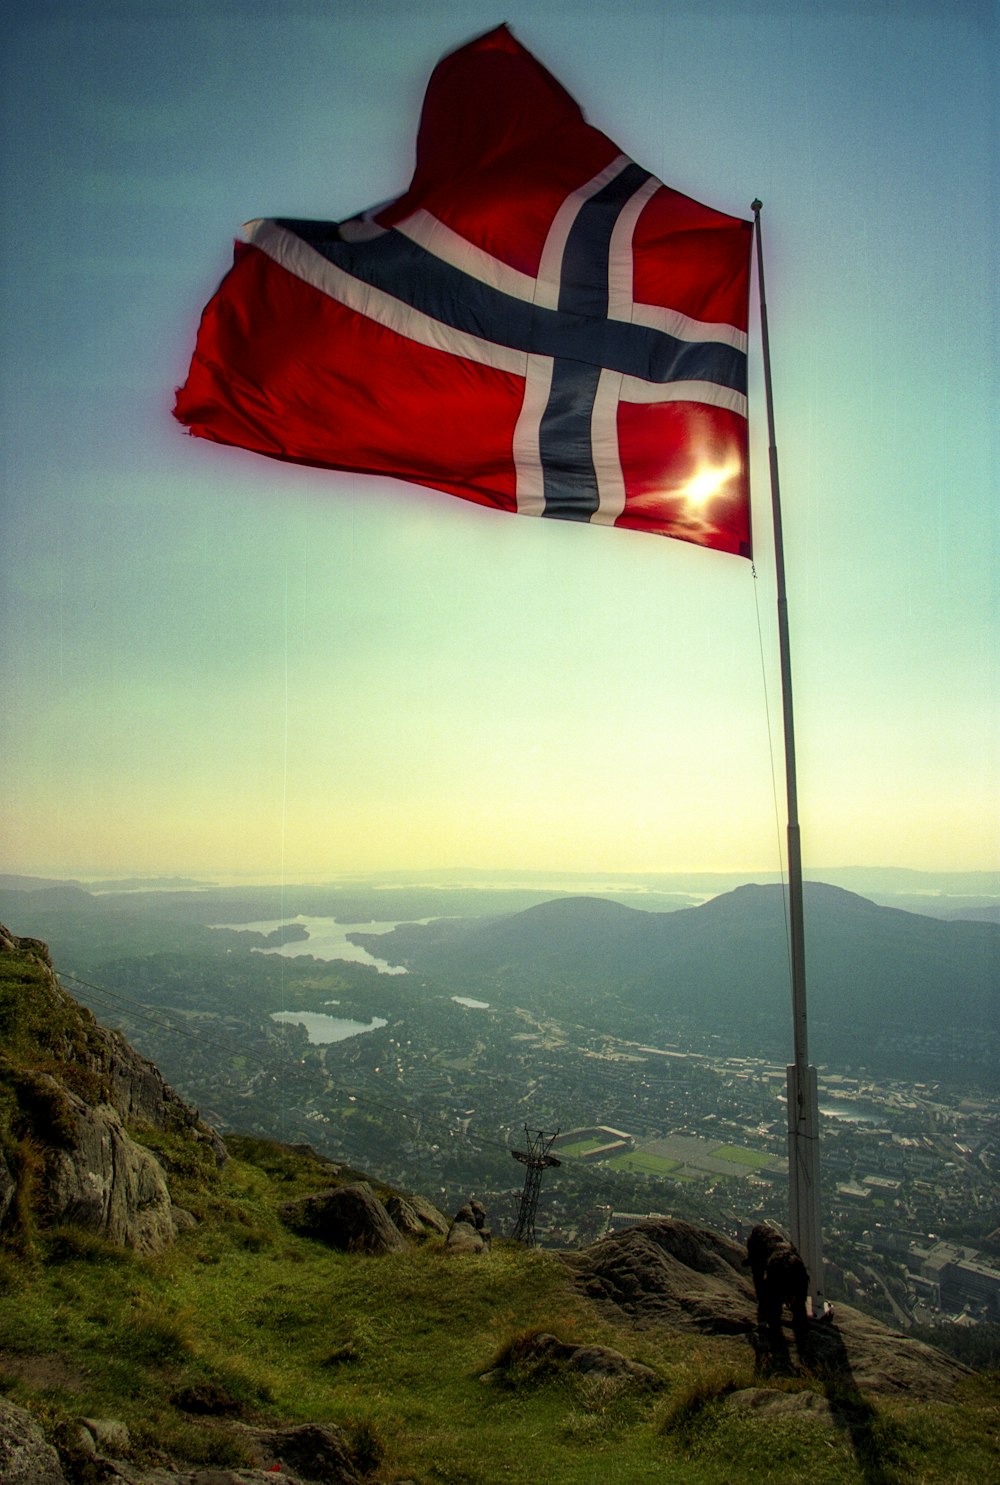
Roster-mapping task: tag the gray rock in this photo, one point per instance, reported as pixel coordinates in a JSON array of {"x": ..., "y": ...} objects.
[
  {"x": 347, "y": 1217},
  {"x": 463, "y": 1238},
  {"x": 7, "y": 1188},
  {"x": 604, "y": 1361},
  {"x": 108, "y": 1434},
  {"x": 867, "y": 1356},
  {"x": 414, "y": 1216},
  {"x": 428, "y": 1213},
  {"x": 74, "y": 1437},
  {"x": 130, "y": 1083},
  {"x": 672, "y": 1271},
  {"x": 468, "y": 1232},
  {"x": 404, "y": 1217},
  {"x": 103, "y": 1181},
  {"x": 316, "y": 1454},
  {"x": 25, "y": 1457},
  {"x": 770, "y": 1403},
  {"x": 95, "y": 1173},
  {"x": 662, "y": 1271}
]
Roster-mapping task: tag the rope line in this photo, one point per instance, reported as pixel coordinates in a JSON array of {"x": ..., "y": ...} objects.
[
  {"x": 115, "y": 1001},
  {"x": 141, "y": 1011}
]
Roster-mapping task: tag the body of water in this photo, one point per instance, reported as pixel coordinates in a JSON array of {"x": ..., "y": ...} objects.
[
  {"x": 321, "y": 1028},
  {"x": 327, "y": 940},
  {"x": 474, "y": 1005}
]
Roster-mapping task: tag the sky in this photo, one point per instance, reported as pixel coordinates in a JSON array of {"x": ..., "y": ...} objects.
[{"x": 212, "y": 663}]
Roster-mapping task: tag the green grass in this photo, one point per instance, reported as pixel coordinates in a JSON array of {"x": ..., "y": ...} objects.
[
  {"x": 269, "y": 1326},
  {"x": 737, "y": 1155},
  {"x": 581, "y": 1147},
  {"x": 653, "y": 1165}
]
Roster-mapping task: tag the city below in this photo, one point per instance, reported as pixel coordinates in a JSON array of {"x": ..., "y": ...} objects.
[{"x": 659, "y": 1100}]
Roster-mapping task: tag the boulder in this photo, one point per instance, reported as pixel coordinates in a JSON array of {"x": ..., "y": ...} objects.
[
  {"x": 468, "y": 1232},
  {"x": 404, "y": 1217},
  {"x": 415, "y": 1217},
  {"x": 429, "y": 1215},
  {"x": 770, "y": 1403},
  {"x": 25, "y": 1457},
  {"x": 348, "y": 1217},
  {"x": 302, "y": 1454},
  {"x": 316, "y": 1454},
  {"x": 864, "y": 1354},
  {"x": 673, "y": 1271},
  {"x": 463, "y": 1238},
  {"x": 108, "y": 1434}
]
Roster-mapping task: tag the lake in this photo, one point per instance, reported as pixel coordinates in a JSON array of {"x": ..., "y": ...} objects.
[
  {"x": 322, "y": 1029},
  {"x": 327, "y": 940}
]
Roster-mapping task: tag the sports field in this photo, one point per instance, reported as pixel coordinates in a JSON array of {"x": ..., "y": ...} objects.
[
  {"x": 581, "y": 1147},
  {"x": 650, "y": 1165},
  {"x": 736, "y": 1155}
]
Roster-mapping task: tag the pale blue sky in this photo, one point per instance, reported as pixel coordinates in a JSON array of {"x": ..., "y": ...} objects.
[{"x": 211, "y": 662}]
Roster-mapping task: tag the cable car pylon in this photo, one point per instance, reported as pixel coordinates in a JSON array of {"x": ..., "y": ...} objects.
[{"x": 536, "y": 1158}]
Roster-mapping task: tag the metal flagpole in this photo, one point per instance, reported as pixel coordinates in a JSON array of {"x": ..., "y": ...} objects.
[{"x": 803, "y": 1103}]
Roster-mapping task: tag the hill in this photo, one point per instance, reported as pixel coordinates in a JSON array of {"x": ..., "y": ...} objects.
[
  {"x": 239, "y": 1346},
  {"x": 874, "y": 973}
]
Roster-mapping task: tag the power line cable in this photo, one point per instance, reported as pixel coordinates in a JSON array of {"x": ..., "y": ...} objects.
[
  {"x": 141, "y": 1011},
  {"x": 294, "y": 1068}
]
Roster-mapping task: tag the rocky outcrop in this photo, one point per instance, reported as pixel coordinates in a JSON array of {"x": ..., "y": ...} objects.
[
  {"x": 7, "y": 1188},
  {"x": 430, "y": 1217},
  {"x": 872, "y": 1357},
  {"x": 97, "y": 1056},
  {"x": 469, "y": 1233},
  {"x": 102, "y": 1180},
  {"x": 415, "y": 1217},
  {"x": 541, "y": 1353},
  {"x": 671, "y": 1272},
  {"x": 315, "y": 1453},
  {"x": 348, "y": 1217},
  {"x": 72, "y": 1087},
  {"x": 25, "y": 1457},
  {"x": 99, "y": 1449}
]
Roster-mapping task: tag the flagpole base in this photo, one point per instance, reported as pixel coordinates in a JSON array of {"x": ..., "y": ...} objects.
[{"x": 803, "y": 1178}]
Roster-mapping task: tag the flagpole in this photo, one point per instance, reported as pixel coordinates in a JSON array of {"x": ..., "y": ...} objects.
[{"x": 803, "y": 1102}]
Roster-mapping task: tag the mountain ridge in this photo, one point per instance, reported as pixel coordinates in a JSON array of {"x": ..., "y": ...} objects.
[{"x": 865, "y": 963}]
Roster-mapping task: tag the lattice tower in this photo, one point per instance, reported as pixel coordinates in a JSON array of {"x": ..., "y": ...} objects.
[{"x": 536, "y": 1158}]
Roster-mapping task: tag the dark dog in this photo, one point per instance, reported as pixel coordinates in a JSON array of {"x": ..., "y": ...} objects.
[{"x": 779, "y": 1279}]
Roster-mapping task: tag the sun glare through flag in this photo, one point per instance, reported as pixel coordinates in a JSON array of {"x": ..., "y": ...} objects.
[{"x": 538, "y": 324}]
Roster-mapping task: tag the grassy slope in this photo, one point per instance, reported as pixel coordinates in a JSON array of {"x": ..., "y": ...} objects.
[{"x": 392, "y": 1348}]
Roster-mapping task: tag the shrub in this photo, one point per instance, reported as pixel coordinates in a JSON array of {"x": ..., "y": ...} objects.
[
  {"x": 688, "y": 1408},
  {"x": 44, "y": 1111}
]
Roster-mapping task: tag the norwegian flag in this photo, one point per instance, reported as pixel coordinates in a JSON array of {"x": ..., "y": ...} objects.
[{"x": 538, "y": 324}]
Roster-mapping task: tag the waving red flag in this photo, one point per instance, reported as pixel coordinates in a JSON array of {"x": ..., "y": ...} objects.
[{"x": 538, "y": 324}]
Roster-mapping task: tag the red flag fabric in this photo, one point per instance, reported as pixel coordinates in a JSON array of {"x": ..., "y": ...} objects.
[{"x": 537, "y": 324}]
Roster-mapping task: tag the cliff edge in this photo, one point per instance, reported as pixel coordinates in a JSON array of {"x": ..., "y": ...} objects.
[{"x": 74, "y": 1100}]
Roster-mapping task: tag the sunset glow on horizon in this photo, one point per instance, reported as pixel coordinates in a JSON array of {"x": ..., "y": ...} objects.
[{"x": 216, "y": 662}]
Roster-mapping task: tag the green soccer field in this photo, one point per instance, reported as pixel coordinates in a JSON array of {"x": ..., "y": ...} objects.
[{"x": 653, "y": 1165}]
